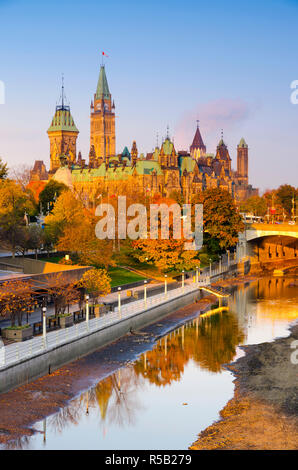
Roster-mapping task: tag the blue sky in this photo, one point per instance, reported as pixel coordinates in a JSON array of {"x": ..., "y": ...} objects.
[{"x": 227, "y": 63}]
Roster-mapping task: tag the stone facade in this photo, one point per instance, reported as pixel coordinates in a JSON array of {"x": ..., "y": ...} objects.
[{"x": 165, "y": 171}]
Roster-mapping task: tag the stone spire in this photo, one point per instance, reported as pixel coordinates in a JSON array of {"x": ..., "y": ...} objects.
[
  {"x": 102, "y": 90},
  {"x": 197, "y": 143}
]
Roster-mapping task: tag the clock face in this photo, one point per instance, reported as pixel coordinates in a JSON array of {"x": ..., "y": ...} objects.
[{"x": 98, "y": 107}]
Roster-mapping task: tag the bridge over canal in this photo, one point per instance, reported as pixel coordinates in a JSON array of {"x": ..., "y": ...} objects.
[{"x": 265, "y": 243}]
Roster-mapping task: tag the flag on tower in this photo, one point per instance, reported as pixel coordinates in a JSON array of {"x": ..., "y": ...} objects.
[{"x": 103, "y": 53}]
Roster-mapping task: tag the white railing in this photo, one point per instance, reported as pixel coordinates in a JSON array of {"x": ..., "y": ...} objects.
[{"x": 16, "y": 352}]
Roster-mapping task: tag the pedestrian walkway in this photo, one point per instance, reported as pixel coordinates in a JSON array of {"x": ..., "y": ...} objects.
[{"x": 13, "y": 353}]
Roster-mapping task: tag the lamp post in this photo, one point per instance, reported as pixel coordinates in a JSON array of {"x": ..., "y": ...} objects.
[
  {"x": 87, "y": 310},
  {"x": 183, "y": 280},
  {"x": 197, "y": 274},
  {"x": 119, "y": 301},
  {"x": 44, "y": 326},
  {"x": 219, "y": 264},
  {"x": 166, "y": 290},
  {"x": 228, "y": 251},
  {"x": 145, "y": 293},
  {"x": 210, "y": 260}
]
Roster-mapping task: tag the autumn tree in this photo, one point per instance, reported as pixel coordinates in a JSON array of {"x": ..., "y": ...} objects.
[
  {"x": 20, "y": 174},
  {"x": 14, "y": 204},
  {"x": 166, "y": 255},
  {"x": 96, "y": 282},
  {"x": 73, "y": 230},
  {"x": 16, "y": 299},
  {"x": 63, "y": 292},
  {"x": 221, "y": 219},
  {"x": 256, "y": 205},
  {"x": 67, "y": 211}
]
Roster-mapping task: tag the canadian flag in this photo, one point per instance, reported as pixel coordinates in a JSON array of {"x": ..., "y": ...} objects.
[{"x": 103, "y": 53}]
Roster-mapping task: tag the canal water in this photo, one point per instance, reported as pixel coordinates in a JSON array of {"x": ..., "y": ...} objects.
[{"x": 177, "y": 389}]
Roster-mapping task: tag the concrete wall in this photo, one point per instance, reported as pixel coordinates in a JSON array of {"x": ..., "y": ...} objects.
[
  {"x": 41, "y": 271},
  {"x": 28, "y": 370},
  {"x": 273, "y": 248}
]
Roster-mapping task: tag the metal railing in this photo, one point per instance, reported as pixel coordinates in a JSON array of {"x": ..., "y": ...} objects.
[{"x": 14, "y": 353}]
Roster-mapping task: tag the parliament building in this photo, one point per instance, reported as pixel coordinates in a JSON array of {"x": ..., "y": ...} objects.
[{"x": 164, "y": 171}]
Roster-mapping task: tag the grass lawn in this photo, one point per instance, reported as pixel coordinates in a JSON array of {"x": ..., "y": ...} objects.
[
  {"x": 121, "y": 276},
  {"x": 52, "y": 259}
]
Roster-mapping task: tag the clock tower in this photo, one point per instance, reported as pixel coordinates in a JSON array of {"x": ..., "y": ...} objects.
[{"x": 102, "y": 123}]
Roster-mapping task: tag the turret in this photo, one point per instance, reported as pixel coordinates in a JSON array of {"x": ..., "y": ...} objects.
[
  {"x": 242, "y": 161},
  {"x": 63, "y": 135}
]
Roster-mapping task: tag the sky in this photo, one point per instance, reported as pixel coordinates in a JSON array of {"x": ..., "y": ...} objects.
[{"x": 228, "y": 64}]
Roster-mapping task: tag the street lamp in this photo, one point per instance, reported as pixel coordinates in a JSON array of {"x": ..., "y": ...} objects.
[
  {"x": 44, "y": 325},
  {"x": 119, "y": 301},
  {"x": 166, "y": 285},
  {"x": 210, "y": 261},
  {"x": 197, "y": 274},
  {"x": 228, "y": 251},
  {"x": 183, "y": 280},
  {"x": 87, "y": 309},
  {"x": 219, "y": 263},
  {"x": 145, "y": 293}
]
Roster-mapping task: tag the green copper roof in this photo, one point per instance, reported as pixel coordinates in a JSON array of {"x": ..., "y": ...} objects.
[
  {"x": 62, "y": 121},
  {"x": 102, "y": 90},
  {"x": 147, "y": 167},
  {"x": 125, "y": 153},
  {"x": 186, "y": 163},
  {"x": 167, "y": 146},
  {"x": 242, "y": 143}
]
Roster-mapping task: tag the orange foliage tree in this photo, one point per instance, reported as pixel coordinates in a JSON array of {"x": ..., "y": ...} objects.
[
  {"x": 16, "y": 299},
  {"x": 63, "y": 293}
]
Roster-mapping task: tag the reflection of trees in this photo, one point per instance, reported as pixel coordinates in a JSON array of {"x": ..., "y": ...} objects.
[
  {"x": 21, "y": 443},
  {"x": 218, "y": 337},
  {"x": 209, "y": 341},
  {"x": 65, "y": 416},
  {"x": 116, "y": 397}
]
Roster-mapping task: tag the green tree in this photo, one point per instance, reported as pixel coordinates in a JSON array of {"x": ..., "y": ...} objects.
[
  {"x": 285, "y": 194},
  {"x": 222, "y": 221},
  {"x": 50, "y": 194}
]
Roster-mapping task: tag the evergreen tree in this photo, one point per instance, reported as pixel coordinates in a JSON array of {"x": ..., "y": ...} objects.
[{"x": 3, "y": 170}]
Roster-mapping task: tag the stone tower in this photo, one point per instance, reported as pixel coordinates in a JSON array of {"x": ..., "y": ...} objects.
[
  {"x": 134, "y": 153},
  {"x": 242, "y": 161},
  {"x": 223, "y": 156},
  {"x": 102, "y": 125},
  {"x": 63, "y": 135}
]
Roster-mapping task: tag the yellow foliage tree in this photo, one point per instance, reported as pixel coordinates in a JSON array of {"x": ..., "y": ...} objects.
[{"x": 96, "y": 282}]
